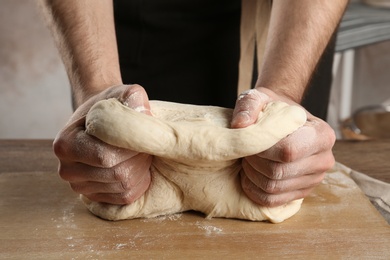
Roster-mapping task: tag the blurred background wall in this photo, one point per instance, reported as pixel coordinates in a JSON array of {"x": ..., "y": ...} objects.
[{"x": 34, "y": 90}]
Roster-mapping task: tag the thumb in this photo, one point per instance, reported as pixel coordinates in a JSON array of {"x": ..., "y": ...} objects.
[
  {"x": 248, "y": 106},
  {"x": 135, "y": 97}
]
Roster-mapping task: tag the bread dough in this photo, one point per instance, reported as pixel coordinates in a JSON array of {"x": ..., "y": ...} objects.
[{"x": 196, "y": 160}]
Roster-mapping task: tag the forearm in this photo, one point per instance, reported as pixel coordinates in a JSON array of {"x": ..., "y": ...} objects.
[
  {"x": 85, "y": 35},
  {"x": 298, "y": 34}
]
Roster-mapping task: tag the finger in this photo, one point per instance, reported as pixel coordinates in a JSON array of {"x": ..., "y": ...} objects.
[
  {"x": 314, "y": 137},
  {"x": 90, "y": 187},
  {"x": 274, "y": 170},
  {"x": 270, "y": 200},
  {"x": 135, "y": 97},
  {"x": 74, "y": 145},
  {"x": 279, "y": 186},
  {"x": 247, "y": 108},
  {"x": 123, "y": 198},
  {"x": 126, "y": 171},
  {"x": 130, "y": 180}
]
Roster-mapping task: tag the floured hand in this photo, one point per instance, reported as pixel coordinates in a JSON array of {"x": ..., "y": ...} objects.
[
  {"x": 102, "y": 172},
  {"x": 291, "y": 168}
]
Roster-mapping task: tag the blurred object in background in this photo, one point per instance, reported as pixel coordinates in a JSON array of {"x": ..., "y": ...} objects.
[
  {"x": 378, "y": 3},
  {"x": 369, "y": 122},
  {"x": 361, "y": 62}
]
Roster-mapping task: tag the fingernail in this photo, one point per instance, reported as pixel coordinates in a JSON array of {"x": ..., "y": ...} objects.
[
  {"x": 141, "y": 109},
  {"x": 261, "y": 96},
  {"x": 245, "y": 93},
  {"x": 244, "y": 116},
  {"x": 131, "y": 100}
]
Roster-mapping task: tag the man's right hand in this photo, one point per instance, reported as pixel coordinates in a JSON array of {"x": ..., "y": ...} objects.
[{"x": 102, "y": 172}]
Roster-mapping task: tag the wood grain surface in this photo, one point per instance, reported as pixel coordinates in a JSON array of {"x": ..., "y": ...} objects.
[
  {"x": 41, "y": 218},
  {"x": 371, "y": 157}
]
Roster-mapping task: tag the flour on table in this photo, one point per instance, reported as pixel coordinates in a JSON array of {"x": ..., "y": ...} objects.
[{"x": 196, "y": 161}]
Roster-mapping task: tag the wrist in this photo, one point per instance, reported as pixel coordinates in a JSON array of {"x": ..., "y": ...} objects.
[
  {"x": 83, "y": 92},
  {"x": 283, "y": 93}
]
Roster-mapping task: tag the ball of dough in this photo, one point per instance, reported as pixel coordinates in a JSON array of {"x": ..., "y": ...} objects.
[{"x": 197, "y": 156}]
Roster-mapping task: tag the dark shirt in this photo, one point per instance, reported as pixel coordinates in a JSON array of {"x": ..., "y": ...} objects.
[
  {"x": 187, "y": 51},
  {"x": 184, "y": 51}
]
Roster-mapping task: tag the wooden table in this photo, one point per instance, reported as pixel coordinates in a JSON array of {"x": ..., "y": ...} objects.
[
  {"x": 41, "y": 218},
  {"x": 369, "y": 157}
]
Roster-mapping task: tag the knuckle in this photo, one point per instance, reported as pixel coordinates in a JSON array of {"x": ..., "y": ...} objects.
[
  {"x": 128, "y": 179},
  {"x": 78, "y": 188},
  {"x": 60, "y": 147},
  {"x": 327, "y": 133},
  {"x": 288, "y": 153},
  {"x": 245, "y": 99},
  {"x": 134, "y": 88},
  {"x": 330, "y": 137},
  {"x": 330, "y": 162},
  {"x": 64, "y": 173},
  {"x": 103, "y": 161},
  {"x": 326, "y": 163},
  {"x": 269, "y": 201},
  {"x": 258, "y": 195},
  {"x": 121, "y": 175},
  {"x": 318, "y": 180},
  {"x": 277, "y": 171},
  {"x": 137, "y": 87},
  {"x": 303, "y": 193},
  {"x": 105, "y": 158},
  {"x": 126, "y": 185},
  {"x": 127, "y": 197},
  {"x": 272, "y": 187}
]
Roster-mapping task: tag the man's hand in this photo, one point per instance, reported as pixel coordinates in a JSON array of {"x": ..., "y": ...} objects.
[
  {"x": 291, "y": 168},
  {"x": 102, "y": 172}
]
